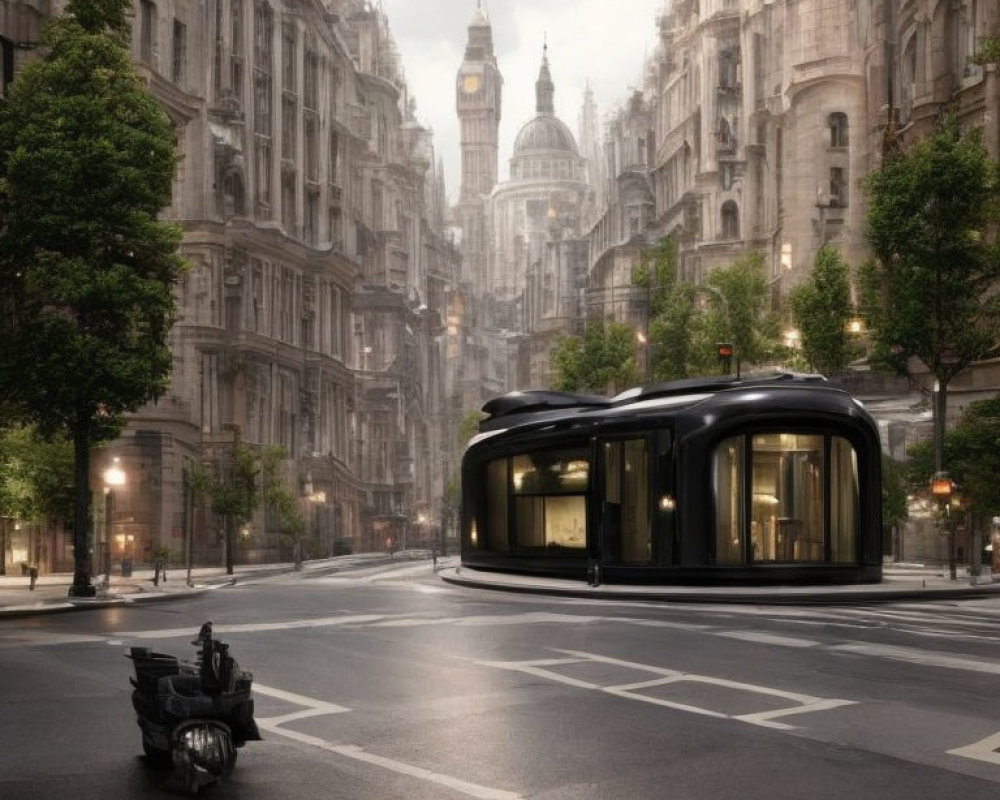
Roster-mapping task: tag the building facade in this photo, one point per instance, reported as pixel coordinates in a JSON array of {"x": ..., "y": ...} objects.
[
  {"x": 760, "y": 125},
  {"x": 537, "y": 259},
  {"x": 312, "y": 315}
]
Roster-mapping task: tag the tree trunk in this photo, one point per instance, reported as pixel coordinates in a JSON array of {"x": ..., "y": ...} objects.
[
  {"x": 230, "y": 524},
  {"x": 81, "y": 586}
]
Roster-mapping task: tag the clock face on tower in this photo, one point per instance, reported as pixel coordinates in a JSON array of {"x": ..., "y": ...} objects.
[{"x": 470, "y": 84}]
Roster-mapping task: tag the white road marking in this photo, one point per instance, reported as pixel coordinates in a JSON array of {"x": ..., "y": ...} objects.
[
  {"x": 987, "y": 749},
  {"x": 912, "y": 655},
  {"x": 316, "y": 707},
  {"x": 657, "y": 623},
  {"x": 804, "y": 703},
  {"x": 530, "y": 668},
  {"x": 24, "y": 638},
  {"x": 401, "y": 767},
  {"x": 768, "y": 638},
  {"x": 254, "y": 627}
]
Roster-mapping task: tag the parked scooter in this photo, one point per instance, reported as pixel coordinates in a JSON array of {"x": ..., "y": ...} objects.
[{"x": 193, "y": 715}]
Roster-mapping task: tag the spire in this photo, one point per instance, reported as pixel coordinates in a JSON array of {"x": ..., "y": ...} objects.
[
  {"x": 480, "y": 43},
  {"x": 544, "y": 88},
  {"x": 479, "y": 18}
]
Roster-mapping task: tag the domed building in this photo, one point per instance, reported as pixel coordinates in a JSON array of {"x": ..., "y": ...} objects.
[{"x": 537, "y": 260}]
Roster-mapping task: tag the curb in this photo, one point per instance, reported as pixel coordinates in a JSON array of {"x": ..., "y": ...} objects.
[
  {"x": 114, "y": 601},
  {"x": 142, "y": 596},
  {"x": 832, "y": 595}
]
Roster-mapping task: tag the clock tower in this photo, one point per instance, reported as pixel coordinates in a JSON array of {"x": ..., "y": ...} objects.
[
  {"x": 477, "y": 91},
  {"x": 478, "y": 103}
]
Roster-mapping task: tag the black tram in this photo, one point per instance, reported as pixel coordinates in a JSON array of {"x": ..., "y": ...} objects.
[{"x": 762, "y": 479}]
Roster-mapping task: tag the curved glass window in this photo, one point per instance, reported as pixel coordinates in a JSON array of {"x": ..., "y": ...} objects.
[
  {"x": 845, "y": 509},
  {"x": 496, "y": 505},
  {"x": 729, "y": 502},
  {"x": 550, "y": 506},
  {"x": 786, "y": 498}
]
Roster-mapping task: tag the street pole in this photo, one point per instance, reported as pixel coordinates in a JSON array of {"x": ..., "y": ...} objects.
[
  {"x": 188, "y": 521},
  {"x": 106, "y": 554},
  {"x": 952, "y": 561}
]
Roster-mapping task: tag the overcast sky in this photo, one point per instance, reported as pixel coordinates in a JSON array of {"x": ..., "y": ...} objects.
[{"x": 603, "y": 41}]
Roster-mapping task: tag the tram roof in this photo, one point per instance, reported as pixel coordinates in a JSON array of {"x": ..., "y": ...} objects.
[{"x": 539, "y": 405}]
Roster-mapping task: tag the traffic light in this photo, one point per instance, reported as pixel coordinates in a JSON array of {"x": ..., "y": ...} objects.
[{"x": 724, "y": 352}]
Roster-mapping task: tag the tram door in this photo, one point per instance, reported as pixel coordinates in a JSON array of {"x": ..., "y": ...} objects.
[{"x": 625, "y": 519}]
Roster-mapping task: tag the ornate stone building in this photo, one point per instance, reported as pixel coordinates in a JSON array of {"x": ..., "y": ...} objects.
[
  {"x": 478, "y": 103},
  {"x": 313, "y": 311},
  {"x": 318, "y": 272},
  {"x": 760, "y": 132},
  {"x": 537, "y": 260},
  {"x": 931, "y": 56}
]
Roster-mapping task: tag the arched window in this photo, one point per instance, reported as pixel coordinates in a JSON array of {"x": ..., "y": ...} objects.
[
  {"x": 234, "y": 198},
  {"x": 805, "y": 505},
  {"x": 730, "y": 220},
  {"x": 837, "y": 123}
]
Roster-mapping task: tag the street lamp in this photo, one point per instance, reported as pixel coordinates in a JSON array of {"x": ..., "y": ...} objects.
[
  {"x": 943, "y": 490},
  {"x": 114, "y": 476},
  {"x": 647, "y": 365},
  {"x": 317, "y": 500},
  {"x": 791, "y": 338}
]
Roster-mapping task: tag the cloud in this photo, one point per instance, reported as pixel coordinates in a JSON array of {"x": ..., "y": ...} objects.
[{"x": 589, "y": 40}]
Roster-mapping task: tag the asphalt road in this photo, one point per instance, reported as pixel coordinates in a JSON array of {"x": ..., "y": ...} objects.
[{"x": 386, "y": 683}]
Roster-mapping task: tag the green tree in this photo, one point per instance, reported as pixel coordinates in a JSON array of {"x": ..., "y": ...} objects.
[
  {"x": 36, "y": 476},
  {"x": 928, "y": 297},
  {"x": 895, "y": 509},
  {"x": 673, "y": 319},
  {"x": 737, "y": 311},
  {"x": 468, "y": 427},
  {"x": 972, "y": 452},
  {"x": 231, "y": 486},
  {"x": 674, "y": 334},
  {"x": 239, "y": 483},
  {"x": 988, "y": 52},
  {"x": 822, "y": 309},
  {"x": 281, "y": 500},
  {"x": 602, "y": 360},
  {"x": 86, "y": 268}
]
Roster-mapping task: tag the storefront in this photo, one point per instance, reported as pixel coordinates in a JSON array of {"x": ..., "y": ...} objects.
[{"x": 765, "y": 479}]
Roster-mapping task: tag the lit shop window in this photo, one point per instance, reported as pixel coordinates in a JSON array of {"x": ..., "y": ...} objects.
[{"x": 800, "y": 504}]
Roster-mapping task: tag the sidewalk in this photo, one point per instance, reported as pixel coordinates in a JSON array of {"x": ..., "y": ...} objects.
[
  {"x": 51, "y": 591},
  {"x": 899, "y": 582}
]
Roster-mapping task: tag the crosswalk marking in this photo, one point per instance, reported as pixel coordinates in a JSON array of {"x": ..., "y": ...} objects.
[
  {"x": 401, "y": 767},
  {"x": 313, "y": 707},
  {"x": 768, "y": 638},
  {"x": 987, "y": 749},
  {"x": 913, "y": 655},
  {"x": 546, "y": 669}
]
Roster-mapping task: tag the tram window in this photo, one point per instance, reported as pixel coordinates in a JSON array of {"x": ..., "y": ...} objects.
[
  {"x": 496, "y": 505},
  {"x": 729, "y": 502},
  {"x": 550, "y": 509},
  {"x": 792, "y": 477},
  {"x": 845, "y": 507},
  {"x": 551, "y": 471},
  {"x": 786, "y": 517}
]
